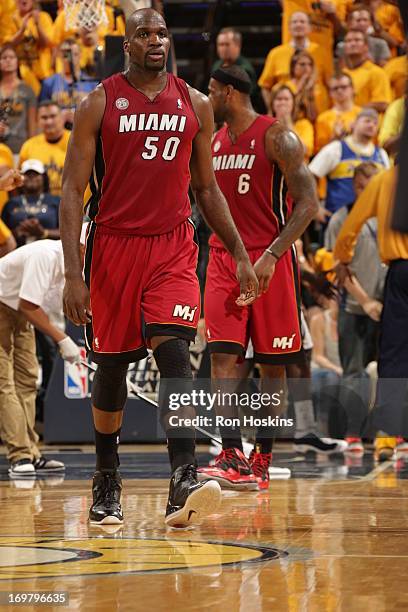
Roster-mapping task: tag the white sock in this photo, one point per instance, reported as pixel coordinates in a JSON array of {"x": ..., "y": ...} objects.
[{"x": 305, "y": 419}]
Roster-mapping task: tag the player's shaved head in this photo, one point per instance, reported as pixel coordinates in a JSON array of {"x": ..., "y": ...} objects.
[{"x": 143, "y": 17}]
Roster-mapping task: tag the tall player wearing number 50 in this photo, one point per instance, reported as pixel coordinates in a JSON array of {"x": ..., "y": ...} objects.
[
  {"x": 143, "y": 135},
  {"x": 259, "y": 166}
]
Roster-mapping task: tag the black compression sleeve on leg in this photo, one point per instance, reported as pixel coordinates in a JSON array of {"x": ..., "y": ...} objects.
[
  {"x": 106, "y": 446},
  {"x": 109, "y": 390},
  {"x": 173, "y": 360}
]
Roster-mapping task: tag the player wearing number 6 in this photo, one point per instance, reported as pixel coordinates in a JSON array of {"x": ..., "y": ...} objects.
[
  {"x": 142, "y": 136},
  {"x": 259, "y": 166}
]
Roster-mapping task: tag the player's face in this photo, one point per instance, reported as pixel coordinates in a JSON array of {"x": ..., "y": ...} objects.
[
  {"x": 149, "y": 44},
  {"x": 218, "y": 97}
]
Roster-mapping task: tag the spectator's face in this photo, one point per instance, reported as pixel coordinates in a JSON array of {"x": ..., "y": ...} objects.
[
  {"x": 89, "y": 38},
  {"x": 341, "y": 90},
  {"x": 69, "y": 52},
  {"x": 360, "y": 20},
  {"x": 228, "y": 50},
  {"x": 366, "y": 127},
  {"x": 24, "y": 6},
  {"x": 8, "y": 61},
  {"x": 283, "y": 104},
  {"x": 360, "y": 182},
  {"x": 299, "y": 25},
  {"x": 304, "y": 65},
  {"x": 354, "y": 44},
  {"x": 33, "y": 182},
  {"x": 217, "y": 96},
  {"x": 51, "y": 122}
]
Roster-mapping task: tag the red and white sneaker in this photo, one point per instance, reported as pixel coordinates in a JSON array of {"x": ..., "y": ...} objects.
[
  {"x": 231, "y": 470},
  {"x": 354, "y": 446},
  {"x": 401, "y": 449},
  {"x": 260, "y": 463}
]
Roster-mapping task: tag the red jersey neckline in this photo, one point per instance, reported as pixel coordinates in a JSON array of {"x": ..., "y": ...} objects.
[
  {"x": 242, "y": 133},
  {"x": 156, "y": 98}
]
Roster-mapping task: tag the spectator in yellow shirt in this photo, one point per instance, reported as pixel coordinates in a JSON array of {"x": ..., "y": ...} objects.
[
  {"x": 113, "y": 26},
  {"x": 391, "y": 128},
  {"x": 6, "y": 163},
  {"x": 326, "y": 18},
  {"x": 283, "y": 107},
  {"x": 397, "y": 72},
  {"x": 277, "y": 65},
  {"x": 7, "y": 7},
  {"x": 31, "y": 32},
  {"x": 50, "y": 146},
  {"x": 377, "y": 201},
  {"x": 371, "y": 84},
  {"x": 311, "y": 95},
  {"x": 388, "y": 23},
  {"x": 9, "y": 179},
  {"x": 360, "y": 18},
  {"x": 337, "y": 122}
]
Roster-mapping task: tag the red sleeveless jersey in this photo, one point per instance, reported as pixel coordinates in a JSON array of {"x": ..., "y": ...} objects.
[
  {"x": 254, "y": 188},
  {"x": 141, "y": 173}
]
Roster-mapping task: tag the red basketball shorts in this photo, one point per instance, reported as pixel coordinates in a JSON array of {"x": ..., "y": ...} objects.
[
  {"x": 272, "y": 321},
  {"x": 140, "y": 286}
]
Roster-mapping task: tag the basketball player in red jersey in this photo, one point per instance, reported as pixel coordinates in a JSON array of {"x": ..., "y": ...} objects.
[
  {"x": 259, "y": 166},
  {"x": 143, "y": 135}
]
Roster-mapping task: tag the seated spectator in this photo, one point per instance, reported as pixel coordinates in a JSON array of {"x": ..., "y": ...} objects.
[
  {"x": 17, "y": 103},
  {"x": 33, "y": 214},
  {"x": 326, "y": 18},
  {"x": 277, "y": 64},
  {"x": 229, "y": 43},
  {"x": 31, "y": 33},
  {"x": 336, "y": 123},
  {"x": 360, "y": 18},
  {"x": 6, "y": 164},
  {"x": 50, "y": 146},
  {"x": 371, "y": 84},
  {"x": 397, "y": 71},
  {"x": 311, "y": 95},
  {"x": 337, "y": 160},
  {"x": 323, "y": 329},
  {"x": 70, "y": 86},
  {"x": 391, "y": 127},
  {"x": 283, "y": 108}
]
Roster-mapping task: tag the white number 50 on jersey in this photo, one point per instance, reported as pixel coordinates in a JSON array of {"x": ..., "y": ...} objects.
[
  {"x": 243, "y": 183},
  {"x": 169, "y": 150}
]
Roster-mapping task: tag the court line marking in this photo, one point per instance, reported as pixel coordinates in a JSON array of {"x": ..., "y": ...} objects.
[{"x": 362, "y": 479}]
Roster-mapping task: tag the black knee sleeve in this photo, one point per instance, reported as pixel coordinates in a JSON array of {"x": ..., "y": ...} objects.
[
  {"x": 109, "y": 390},
  {"x": 173, "y": 360}
]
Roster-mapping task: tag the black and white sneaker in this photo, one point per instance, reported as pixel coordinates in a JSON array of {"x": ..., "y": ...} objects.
[
  {"x": 189, "y": 500},
  {"x": 106, "y": 491},
  {"x": 23, "y": 468},
  {"x": 42, "y": 465},
  {"x": 314, "y": 443}
]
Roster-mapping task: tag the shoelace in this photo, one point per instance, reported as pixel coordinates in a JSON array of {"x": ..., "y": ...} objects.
[
  {"x": 189, "y": 472},
  {"x": 108, "y": 489},
  {"x": 226, "y": 459},
  {"x": 260, "y": 463}
]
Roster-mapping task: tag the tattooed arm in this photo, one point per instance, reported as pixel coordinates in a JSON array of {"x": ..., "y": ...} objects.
[{"x": 285, "y": 149}]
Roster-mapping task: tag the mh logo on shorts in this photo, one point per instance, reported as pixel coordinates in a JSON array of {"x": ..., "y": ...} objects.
[
  {"x": 283, "y": 342},
  {"x": 184, "y": 312}
]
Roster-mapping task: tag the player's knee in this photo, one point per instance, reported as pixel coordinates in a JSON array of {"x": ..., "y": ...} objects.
[
  {"x": 109, "y": 390},
  {"x": 272, "y": 371},
  {"x": 223, "y": 365}
]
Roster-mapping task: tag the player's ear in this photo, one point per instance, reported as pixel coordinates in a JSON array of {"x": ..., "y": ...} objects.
[
  {"x": 126, "y": 45},
  {"x": 230, "y": 91}
]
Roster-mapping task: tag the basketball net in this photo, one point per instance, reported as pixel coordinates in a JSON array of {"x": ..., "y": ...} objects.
[{"x": 87, "y": 14}]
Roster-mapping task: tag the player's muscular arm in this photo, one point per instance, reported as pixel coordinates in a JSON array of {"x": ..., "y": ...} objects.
[
  {"x": 77, "y": 170},
  {"x": 211, "y": 201},
  {"x": 285, "y": 149}
]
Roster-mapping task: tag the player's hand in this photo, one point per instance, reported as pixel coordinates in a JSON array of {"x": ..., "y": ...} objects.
[
  {"x": 248, "y": 283},
  {"x": 264, "y": 270},
  {"x": 342, "y": 272},
  {"x": 373, "y": 309},
  {"x": 69, "y": 350},
  {"x": 12, "y": 179},
  {"x": 77, "y": 301}
]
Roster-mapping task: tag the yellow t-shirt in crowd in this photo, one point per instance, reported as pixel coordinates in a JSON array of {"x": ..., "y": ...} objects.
[
  {"x": 37, "y": 59},
  {"x": 6, "y": 161},
  {"x": 371, "y": 83},
  {"x": 393, "y": 121},
  {"x": 52, "y": 156},
  {"x": 397, "y": 71},
  {"x": 7, "y": 8},
  {"x": 112, "y": 27},
  {"x": 4, "y": 232},
  {"x": 277, "y": 64},
  {"x": 325, "y": 124},
  {"x": 375, "y": 201},
  {"x": 304, "y": 129},
  {"x": 320, "y": 94},
  {"x": 389, "y": 18}
]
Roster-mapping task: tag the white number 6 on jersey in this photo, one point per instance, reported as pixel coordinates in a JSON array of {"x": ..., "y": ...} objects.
[{"x": 243, "y": 183}]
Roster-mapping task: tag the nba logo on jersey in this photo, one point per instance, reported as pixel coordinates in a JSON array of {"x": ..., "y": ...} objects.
[
  {"x": 217, "y": 146},
  {"x": 76, "y": 378},
  {"x": 179, "y": 104}
]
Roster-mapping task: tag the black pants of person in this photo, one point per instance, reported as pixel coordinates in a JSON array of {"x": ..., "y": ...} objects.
[{"x": 391, "y": 404}]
